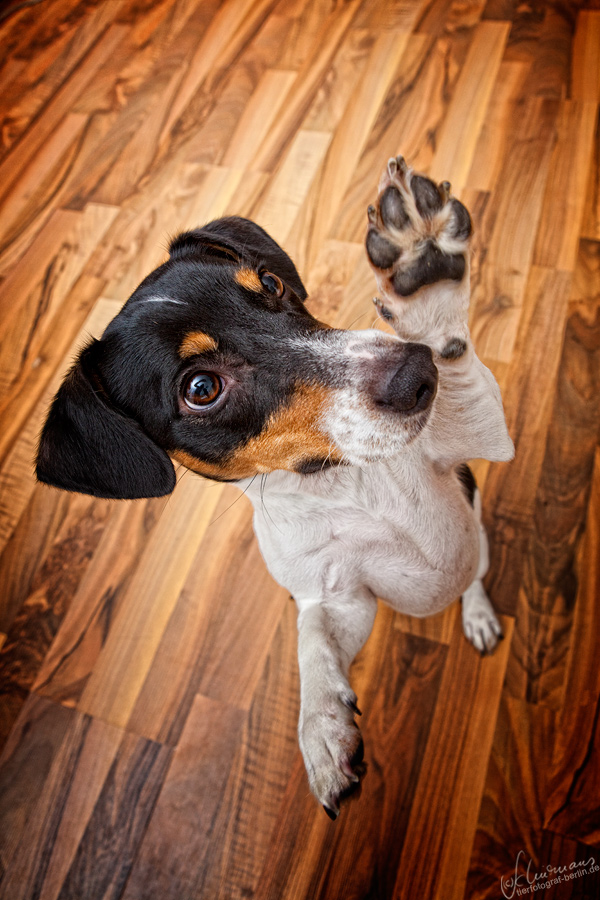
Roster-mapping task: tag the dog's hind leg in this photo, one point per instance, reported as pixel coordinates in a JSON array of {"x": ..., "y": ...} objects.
[
  {"x": 330, "y": 634},
  {"x": 479, "y": 620}
]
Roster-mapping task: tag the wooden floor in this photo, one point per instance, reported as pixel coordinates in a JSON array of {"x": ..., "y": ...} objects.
[{"x": 149, "y": 686}]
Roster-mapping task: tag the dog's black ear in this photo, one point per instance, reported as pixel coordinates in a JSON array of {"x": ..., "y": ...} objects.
[
  {"x": 236, "y": 240},
  {"x": 89, "y": 446}
]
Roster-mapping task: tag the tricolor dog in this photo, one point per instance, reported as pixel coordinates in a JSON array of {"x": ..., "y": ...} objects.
[{"x": 355, "y": 441}]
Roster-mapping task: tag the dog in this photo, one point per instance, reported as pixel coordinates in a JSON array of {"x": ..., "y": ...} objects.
[{"x": 356, "y": 441}]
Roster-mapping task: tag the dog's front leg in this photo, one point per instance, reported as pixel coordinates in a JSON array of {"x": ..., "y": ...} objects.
[{"x": 330, "y": 634}]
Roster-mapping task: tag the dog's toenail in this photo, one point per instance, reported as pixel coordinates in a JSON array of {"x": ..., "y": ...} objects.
[
  {"x": 372, "y": 214},
  {"x": 332, "y": 815}
]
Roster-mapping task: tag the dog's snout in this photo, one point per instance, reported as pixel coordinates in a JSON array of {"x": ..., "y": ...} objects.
[{"x": 411, "y": 387}]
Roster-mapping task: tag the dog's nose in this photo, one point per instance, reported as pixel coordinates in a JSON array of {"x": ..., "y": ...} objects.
[{"x": 412, "y": 386}]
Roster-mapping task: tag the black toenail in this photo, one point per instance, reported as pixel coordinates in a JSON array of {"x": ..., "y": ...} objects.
[{"x": 330, "y": 813}]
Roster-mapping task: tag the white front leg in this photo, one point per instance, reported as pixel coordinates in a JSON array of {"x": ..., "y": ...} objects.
[{"x": 330, "y": 634}]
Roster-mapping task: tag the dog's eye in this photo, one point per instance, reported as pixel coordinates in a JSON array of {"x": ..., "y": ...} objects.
[
  {"x": 272, "y": 283},
  {"x": 202, "y": 389}
]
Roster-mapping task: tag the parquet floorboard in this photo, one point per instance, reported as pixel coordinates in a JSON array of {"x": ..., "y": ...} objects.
[{"x": 148, "y": 675}]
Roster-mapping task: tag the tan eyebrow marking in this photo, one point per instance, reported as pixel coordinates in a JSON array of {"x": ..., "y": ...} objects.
[
  {"x": 248, "y": 279},
  {"x": 196, "y": 342}
]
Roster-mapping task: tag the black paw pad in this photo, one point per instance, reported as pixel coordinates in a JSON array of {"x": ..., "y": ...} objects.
[
  {"x": 393, "y": 212},
  {"x": 432, "y": 266},
  {"x": 382, "y": 252},
  {"x": 454, "y": 349},
  {"x": 427, "y": 196},
  {"x": 461, "y": 226}
]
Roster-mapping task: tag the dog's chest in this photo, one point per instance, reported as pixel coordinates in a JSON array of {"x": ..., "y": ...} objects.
[{"x": 409, "y": 537}]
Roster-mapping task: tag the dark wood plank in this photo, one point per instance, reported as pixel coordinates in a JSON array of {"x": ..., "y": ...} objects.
[
  {"x": 42, "y": 612},
  {"x": 543, "y": 632},
  {"x": 188, "y": 805}
]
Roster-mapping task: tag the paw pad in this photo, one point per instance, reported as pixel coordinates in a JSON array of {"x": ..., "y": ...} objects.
[{"x": 418, "y": 234}]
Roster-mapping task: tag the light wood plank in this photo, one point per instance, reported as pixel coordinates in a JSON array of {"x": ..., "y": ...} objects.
[{"x": 463, "y": 122}]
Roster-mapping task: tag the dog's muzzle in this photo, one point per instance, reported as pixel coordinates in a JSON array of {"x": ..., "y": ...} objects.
[{"x": 410, "y": 387}]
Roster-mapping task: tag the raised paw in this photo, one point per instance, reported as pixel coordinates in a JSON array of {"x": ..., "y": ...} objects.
[
  {"x": 418, "y": 246},
  {"x": 332, "y": 748},
  {"x": 480, "y": 623}
]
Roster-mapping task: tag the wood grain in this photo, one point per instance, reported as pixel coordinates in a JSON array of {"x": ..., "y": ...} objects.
[{"x": 148, "y": 675}]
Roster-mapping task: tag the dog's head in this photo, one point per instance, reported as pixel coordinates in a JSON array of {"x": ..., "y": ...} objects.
[{"x": 215, "y": 361}]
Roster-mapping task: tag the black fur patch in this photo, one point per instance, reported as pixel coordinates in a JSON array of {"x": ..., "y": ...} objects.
[
  {"x": 467, "y": 480},
  {"x": 431, "y": 267}
]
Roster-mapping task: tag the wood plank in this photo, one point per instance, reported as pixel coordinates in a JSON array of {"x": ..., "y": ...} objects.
[
  {"x": 532, "y": 374},
  {"x": 259, "y": 116},
  {"x": 51, "y": 64},
  {"x": 212, "y": 645},
  {"x": 591, "y": 216},
  {"x": 551, "y": 52},
  {"x": 575, "y": 767},
  {"x": 453, "y": 771},
  {"x": 498, "y": 125},
  {"x": 58, "y": 109},
  {"x": 16, "y": 476},
  {"x": 277, "y": 211},
  {"x": 319, "y": 211},
  {"x": 497, "y": 297},
  {"x": 38, "y": 289},
  {"x": 96, "y": 746},
  {"x": 312, "y": 857},
  {"x": 457, "y": 139},
  {"x": 105, "y": 855},
  {"x": 74, "y": 652},
  {"x": 50, "y": 349},
  {"x": 189, "y": 804},
  {"x": 44, "y": 608},
  {"x": 113, "y": 687},
  {"x": 547, "y": 599},
  {"x": 566, "y": 186},
  {"x": 25, "y": 202},
  {"x": 229, "y": 30},
  {"x": 511, "y": 812},
  {"x": 309, "y": 78},
  {"x": 408, "y": 123},
  {"x": 585, "y": 60},
  {"x": 516, "y": 205},
  {"x": 265, "y": 756},
  {"x": 25, "y": 764}
]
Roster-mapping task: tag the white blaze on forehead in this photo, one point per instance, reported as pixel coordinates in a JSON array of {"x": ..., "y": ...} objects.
[{"x": 358, "y": 349}]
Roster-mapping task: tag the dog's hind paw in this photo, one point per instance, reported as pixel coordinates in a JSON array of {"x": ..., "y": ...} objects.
[
  {"x": 480, "y": 623},
  {"x": 333, "y": 750}
]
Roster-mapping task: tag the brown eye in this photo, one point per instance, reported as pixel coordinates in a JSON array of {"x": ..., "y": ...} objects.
[
  {"x": 272, "y": 283},
  {"x": 202, "y": 389}
]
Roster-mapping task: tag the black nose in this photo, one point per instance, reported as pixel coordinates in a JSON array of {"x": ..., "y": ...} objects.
[{"x": 412, "y": 386}]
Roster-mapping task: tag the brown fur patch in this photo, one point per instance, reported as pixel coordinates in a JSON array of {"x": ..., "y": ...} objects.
[
  {"x": 196, "y": 342},
  {"x": 291, "y": 436},
  {"x": 248, "y": 279}
]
